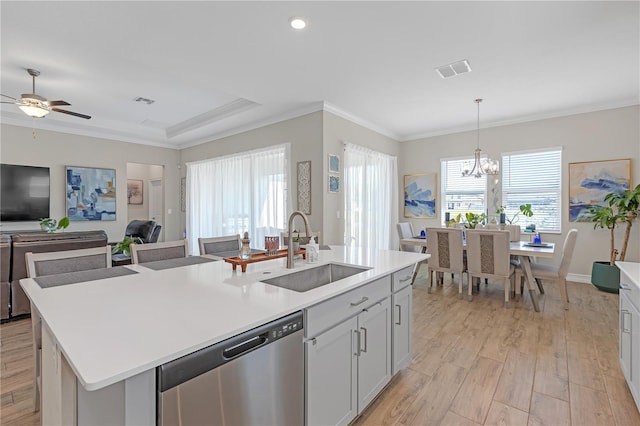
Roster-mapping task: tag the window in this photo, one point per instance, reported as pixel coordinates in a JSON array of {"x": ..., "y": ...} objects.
[
  {"x": 533, "y": 177},
  {"x": 371, "y": 198},
  {"x": 461, "y": 194},
  {"x": 237, "y": 193}
]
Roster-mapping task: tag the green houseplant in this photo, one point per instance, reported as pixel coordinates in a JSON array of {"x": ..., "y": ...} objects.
[
  {"x": 525, "y": 209},
  {"x": 124, "y": 246},
  {"x": 620, "y": 208},
  {"x": 474, "y": 219},
  {"x": 51, "y": 225}
]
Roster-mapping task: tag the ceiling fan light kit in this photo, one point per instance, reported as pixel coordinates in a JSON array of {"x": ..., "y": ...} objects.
[{"x": 36, "y": 106}]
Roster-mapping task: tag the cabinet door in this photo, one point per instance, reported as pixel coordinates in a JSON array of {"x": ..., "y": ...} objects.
[
  {"x": 331, "y": 373},
  {"x": 374, "y": 361},
  {"x": 625, "y": 336},
  {"x": 401, "y": 333}
]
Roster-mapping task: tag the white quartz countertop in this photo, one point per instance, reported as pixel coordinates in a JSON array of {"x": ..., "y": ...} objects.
[
  {"x": 632, "y": 270},
  {"x": 112, "y": 329}
]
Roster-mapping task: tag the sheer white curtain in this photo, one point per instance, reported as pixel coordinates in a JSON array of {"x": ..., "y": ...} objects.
[
  {"x": 371, "y": 198},
  {"x": 237, "y": 193}
]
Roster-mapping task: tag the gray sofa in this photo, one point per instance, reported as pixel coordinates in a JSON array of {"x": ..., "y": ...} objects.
[{"x": 14, "y": 301}]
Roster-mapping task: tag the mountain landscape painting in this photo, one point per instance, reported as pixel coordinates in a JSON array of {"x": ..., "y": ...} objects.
[
  {"x": 420, "y": 195},
  {"x": 590, "y": 182}
]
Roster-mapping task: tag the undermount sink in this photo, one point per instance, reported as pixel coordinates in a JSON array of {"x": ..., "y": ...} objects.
[{"x": 308, "y": 279}]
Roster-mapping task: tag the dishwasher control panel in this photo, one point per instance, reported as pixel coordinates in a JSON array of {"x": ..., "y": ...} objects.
[{"x": 286, "y": 329}]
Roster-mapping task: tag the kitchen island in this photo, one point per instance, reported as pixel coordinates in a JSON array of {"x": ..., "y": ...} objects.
[{"x": 102, "y": 340}]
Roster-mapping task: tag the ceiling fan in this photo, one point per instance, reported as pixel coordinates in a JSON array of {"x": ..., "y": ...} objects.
[{"x": 37, "y": 106}]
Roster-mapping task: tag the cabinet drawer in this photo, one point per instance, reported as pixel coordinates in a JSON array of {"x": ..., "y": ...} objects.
[
  {"x": 335, "y": 310},
  {"x": 631, "y": 290},
  {"x": 401, "y": 278}
]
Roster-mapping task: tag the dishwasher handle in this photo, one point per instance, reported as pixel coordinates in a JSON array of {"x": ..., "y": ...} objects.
[{"x": 244, "y": 347}]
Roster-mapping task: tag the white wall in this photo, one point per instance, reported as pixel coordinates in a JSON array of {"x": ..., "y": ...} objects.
[
  {"x": 602, "y": 135},
  {"x": 57, "y": 150}
]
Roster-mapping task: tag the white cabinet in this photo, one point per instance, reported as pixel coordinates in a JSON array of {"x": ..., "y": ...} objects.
[
  {"x": 630, "y": 335},
  {"x": 401, "y": 333},
  {"x": 349, "y": 363}
]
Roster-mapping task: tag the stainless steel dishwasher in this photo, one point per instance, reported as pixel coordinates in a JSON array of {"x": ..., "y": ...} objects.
[{"x": 255, "y": 378}]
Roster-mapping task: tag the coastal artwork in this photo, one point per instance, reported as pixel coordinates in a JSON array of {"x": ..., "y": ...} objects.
[
  {"x": 420, "y": 195},
  {"x": 590, "y": 182},
  {"x": 91, "y": 193}
]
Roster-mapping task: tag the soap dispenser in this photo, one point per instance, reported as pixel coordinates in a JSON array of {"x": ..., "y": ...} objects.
[
  {"x": 311, "y": 250},
  {"x": 245, "y": 250}
]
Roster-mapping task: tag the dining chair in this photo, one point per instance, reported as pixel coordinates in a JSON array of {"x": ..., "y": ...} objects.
[
  {"x": 545, "y": 271},
  {"x": 405, "y": 230},
  {"x": 446, "y": 250},
  {"x": 143, "y": 253},
  {"x": 226, "y": 246},
  {"x": 304, "y": 239},
  {"x": 52, "y": 263},
  {"x": 488, "y": 257}
]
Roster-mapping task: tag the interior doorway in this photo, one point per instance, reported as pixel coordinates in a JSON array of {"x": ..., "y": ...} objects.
[{"x": 150, "y": 205}]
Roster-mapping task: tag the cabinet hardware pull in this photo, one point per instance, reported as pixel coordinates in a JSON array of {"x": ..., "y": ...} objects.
[
  {"x": 624, "y": 287},
  {"x": 364, "y": 299},
  {"x": 357, "y": 333},
  {"x": 314, "y": 341},
  {"x": 364, "y": 332},
  {"x": 399, "y": 314},
  {"x": 407, "y": 278},
  {"x": 625, "y": 329}
]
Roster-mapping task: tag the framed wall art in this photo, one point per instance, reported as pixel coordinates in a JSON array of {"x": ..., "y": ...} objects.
[
  {"x": 334, "y": 184},
  {"x": 591, "y": 181},
  {"x": 304, "y": 186},
  {"x": 420, "y": 195},
  {"x": 134, "y": 191},
  {"x": 90, "y": 193},
  {"x": 334, "y": 163}
]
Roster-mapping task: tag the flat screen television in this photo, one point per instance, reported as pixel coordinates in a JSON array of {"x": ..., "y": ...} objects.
[{"x": 24, "y": 193}]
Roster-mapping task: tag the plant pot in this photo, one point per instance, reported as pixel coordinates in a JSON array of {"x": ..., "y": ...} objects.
[
  {"x": 605, "y": 277},
  {"x": 296, "y": 246}
]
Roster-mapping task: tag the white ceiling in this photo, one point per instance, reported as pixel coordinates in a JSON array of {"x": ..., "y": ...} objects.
[{"x": 217, "y": 68}]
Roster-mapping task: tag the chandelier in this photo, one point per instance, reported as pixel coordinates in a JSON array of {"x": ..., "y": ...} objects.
[{"x": 481, "y": 166}]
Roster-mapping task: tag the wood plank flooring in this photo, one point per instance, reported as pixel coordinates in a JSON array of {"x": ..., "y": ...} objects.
[
  {"x": 473, "y": 363},
  {"x": 476, "y": 363}
]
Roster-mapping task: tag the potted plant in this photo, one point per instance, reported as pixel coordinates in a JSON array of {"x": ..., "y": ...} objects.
[
  {"x": 124, "y": 246},
  {"x": 621, "y": 207},
  {"x": 525, "y": 209},
  {"x": 51, "y": 225},
  {"x": 474, "y": 219},
  {"x": 295, "y": 240}
]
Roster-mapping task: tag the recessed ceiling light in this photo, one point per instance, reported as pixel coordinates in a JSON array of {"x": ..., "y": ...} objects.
[
  {"x": 454, "y": 69},
  {"x": 297, "y": 23}
]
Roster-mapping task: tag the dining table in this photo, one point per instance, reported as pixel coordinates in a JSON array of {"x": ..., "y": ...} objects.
[{"x": 524, "y": 250}]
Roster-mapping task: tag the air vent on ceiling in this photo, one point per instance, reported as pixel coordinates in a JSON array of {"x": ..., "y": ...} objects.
[
  {"x": 454, "y": 69},
  {"x": 145, "y": 100}
]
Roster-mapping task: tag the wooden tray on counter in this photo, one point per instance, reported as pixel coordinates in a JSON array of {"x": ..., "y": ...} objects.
[{"x": 260, "y": 257}]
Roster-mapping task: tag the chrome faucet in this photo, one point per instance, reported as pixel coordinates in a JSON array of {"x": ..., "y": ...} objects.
[{"x": 290, "y": 245}]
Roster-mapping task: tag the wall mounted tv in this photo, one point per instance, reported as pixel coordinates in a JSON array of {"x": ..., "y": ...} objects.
[{"x": 24, "y": 193}]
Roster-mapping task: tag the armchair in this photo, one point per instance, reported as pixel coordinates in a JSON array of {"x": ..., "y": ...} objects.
[{"x": 147, "y": 231}]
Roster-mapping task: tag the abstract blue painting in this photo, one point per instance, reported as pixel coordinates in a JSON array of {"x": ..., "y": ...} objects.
[
  {"x": 590, "y": 182},
  {"x": 420, "y": 195},
  {"x": 91, "y": 193}
]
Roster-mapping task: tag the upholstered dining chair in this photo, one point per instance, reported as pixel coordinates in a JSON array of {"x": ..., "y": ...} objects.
[
  {"x": 405, "y": 230},
  {"x": 52, "y": 263},
  {"x": 226, "y": 246},
  {"x": 447, "y": 254},
  {"x": 143, "y": 253},
  {"x": 488, "y": 257},
  {"x": 544, "y": 271}
]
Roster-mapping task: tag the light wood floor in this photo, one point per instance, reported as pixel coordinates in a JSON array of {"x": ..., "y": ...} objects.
[{"x": 474, "y": 363}]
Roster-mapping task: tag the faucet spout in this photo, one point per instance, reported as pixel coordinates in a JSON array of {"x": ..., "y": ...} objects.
[{"x": 290, "y": 230}]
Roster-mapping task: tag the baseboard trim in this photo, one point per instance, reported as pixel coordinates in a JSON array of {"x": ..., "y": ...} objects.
[{"x": 579, "y": 278}]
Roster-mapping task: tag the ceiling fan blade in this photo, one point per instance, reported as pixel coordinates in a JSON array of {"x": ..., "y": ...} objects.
[
  {"x": 10, "y": 97},
  {"x": 57, "y": 103},
  {"x": 76, "y": 114}
]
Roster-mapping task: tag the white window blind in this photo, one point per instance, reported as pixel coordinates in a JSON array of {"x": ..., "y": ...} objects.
[
  {"x": 533, "y": 177},
  {"x": 461, "y": 194}
]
